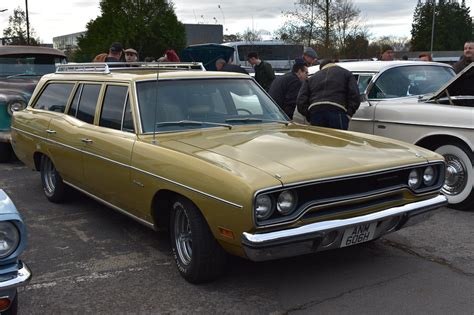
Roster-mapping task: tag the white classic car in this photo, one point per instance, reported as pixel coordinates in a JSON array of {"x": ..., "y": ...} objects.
[{"x": 422, "y": 103}]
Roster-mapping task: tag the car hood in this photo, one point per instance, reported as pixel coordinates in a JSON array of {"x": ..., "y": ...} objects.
[
  {"x": 299, "y": 153},
  {"x": 23, "y": 86},
  {"x": 459, "y": 85},
  {"x": 6, "y": 205}
]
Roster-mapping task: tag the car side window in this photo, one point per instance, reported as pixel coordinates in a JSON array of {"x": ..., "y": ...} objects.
[
  {"x": 127, "y": 124},
  {"x": 54, "y": 97},
  {"x": 113, "y": 107},
  {"x": 75, "y": 102},
  {"x": 88, "y": 102}
]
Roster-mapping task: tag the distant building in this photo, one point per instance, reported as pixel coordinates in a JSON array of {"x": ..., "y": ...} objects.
[
  {"x": 67, "y": 42},
  {"x": 203, "y": 33}
]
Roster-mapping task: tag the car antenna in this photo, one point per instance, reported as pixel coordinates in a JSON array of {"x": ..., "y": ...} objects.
[{"x": 156, "y": 106}]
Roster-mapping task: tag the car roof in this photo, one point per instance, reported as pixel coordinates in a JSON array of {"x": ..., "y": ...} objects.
[
  {"x": 378, "y": 66},
  {"x": 17, "y": 50},
  {"x": 130, "y": 75}
]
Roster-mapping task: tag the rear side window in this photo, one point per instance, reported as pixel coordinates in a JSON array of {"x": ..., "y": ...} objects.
[
  {"x": 88, "y": 102},
  {"x": 54, "y": 97},
  {"x": 113, "y": 107}
]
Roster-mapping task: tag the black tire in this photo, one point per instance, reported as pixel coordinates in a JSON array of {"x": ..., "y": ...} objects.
[
  {"x": 13, "y": 309},
  {"x": 53, "y": 186},
  {"x": 6, "y": 152},
  {"x": 197, "y": 254},
  {"x": 458, "y": 186}
]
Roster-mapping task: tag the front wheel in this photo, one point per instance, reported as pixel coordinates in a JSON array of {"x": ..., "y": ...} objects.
[
  {"x": 197, "y": 254},
  {"x": 53, "y": 186},
  {"x": 459, "y": 176}
]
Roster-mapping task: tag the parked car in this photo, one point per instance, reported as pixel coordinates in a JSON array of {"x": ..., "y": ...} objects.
[
  {"x": 13, "y": 272},
  {"x": 211, "y": 157},
  {"x": 20, "y": 69},
  {"x": 436, "y": 113}
]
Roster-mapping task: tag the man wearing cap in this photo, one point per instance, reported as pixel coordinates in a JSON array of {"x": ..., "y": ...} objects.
[
  {"x": 115, "y": 53},
  {"x": 310, "y": 57},
  {"x": 131, "y": 55}
]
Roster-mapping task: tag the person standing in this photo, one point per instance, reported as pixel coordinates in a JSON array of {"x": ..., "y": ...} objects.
[
  {"x": 425, "y": 57},
  {"x": 264, "y": 73},
  {"x": 387, "y": 54},
  {"x": 222, "y": 65},
  {"x": 131, "y": 55},
  {"x": 467, "y": 57},
  {"x": 284, "y": 89},
  {"x": 115, "y": 53},
  {"x": 330, "y": 97}
]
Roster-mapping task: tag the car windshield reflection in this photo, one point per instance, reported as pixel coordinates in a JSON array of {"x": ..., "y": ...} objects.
[
  {"x": 12, "y": 66},
  {"x": 188, "y": 104}
]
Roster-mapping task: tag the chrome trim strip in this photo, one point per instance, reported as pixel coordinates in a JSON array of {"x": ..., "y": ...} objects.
[
  {"x": 416, "y": 124},
  {"x": 21, "y": 278},
  {"x": 108, "y": 204},
  {"x": 308, "y": 231},
  {"x": 136, "y": 169}
]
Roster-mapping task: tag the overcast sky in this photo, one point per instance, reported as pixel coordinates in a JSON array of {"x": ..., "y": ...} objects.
[{"x": 51, "y": 18}]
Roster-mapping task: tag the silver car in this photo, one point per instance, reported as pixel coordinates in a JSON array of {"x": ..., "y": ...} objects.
[{"x": 423, "y": 103}]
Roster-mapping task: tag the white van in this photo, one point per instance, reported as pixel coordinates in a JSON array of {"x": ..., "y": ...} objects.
[{"x": 279, "y": 54}]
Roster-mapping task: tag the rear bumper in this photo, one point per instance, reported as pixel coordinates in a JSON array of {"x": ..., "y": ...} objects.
[
  {"x": 18, "y": 279},
  {"x": 315, "y": 237},
  {"x": 5, "y": 136}
]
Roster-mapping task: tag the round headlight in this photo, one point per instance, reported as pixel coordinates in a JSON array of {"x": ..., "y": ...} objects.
[
  {"x": 9, "y": 239},
  {"x": 15, "y": 106},
  {"x": 263, "y": 207},
  {"x": 414, "y": 180},
  {"x": 429, "y": 177},
  {"x": 286, "y": 202}
]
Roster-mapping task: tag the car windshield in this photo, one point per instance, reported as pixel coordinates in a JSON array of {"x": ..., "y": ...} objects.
[
  {"x": 28, "y": 64},
  {"x": 271, "y": 52},
  {"x": 410, "y": 80},
  {"x": 171, "y": 105}
]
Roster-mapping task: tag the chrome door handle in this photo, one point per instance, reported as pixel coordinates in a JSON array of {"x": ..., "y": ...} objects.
[
  {"x": 50, "y": 131},
  {"x": 85, "y": 140}
]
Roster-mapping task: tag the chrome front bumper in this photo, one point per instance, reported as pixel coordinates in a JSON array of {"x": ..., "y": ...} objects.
[
  {"x": 18, "y": 279},
  {"x": 313, "y": 237},
  {"x": 5, "y": 136}
]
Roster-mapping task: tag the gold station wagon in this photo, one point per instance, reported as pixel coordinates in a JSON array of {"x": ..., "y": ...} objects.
[{"x": 211, "y": 157}]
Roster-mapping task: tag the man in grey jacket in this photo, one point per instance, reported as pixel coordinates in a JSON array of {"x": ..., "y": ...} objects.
[{"x": 330, "y": 97}]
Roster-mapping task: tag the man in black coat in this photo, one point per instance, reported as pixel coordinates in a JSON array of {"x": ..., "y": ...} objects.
[
  {"x": 284, "y": 89},
  {"x": 222, "y": 65},
  {"x": 467, "y": 57},
  {"x": 330, "y": 97},
  {"x": 264, "y": 73}
]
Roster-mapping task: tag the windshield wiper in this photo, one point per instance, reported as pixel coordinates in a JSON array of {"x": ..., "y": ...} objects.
[
  {"x": 253, "y": 119},
  {"x": 191, "y": 123}
]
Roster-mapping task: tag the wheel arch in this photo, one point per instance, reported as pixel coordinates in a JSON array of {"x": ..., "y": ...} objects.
[
  {"x": 37, "y": 160},
  {"x": 432, "y": 142}
]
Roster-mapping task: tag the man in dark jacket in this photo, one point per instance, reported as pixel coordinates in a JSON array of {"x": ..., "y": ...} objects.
[
  {"x": 222, "y": 65},
  {"x": 264, "y": 73},
  {"x": 284, "y": 89},
  {"x": 467, "y": 57},
  {"x": 330, "y": 97}
]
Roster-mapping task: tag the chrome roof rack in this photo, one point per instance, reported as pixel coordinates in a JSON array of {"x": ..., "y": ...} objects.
[{"x": 106, "y": 68}]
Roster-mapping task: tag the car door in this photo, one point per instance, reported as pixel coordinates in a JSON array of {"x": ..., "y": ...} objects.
[
  {"x": 65, "y": 147},
  {"x": 363, "y": 119},
  {"x": 108, "y": 147}
]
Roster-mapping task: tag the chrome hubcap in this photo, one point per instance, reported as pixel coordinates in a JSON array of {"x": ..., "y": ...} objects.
[
  {"x": 456, "y": 175},
  {"x": 49, "y": 177},
  {"x": 183, "y": 236}
]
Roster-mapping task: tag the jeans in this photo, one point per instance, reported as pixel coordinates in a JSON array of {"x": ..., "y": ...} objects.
[{"x": 330, "y": 119}]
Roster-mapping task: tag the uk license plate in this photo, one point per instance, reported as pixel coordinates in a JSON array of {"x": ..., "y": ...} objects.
[{"x": 358, "y": 234}]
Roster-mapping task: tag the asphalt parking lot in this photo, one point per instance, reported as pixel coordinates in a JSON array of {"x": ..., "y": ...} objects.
[{"x": 87, "y": 258}]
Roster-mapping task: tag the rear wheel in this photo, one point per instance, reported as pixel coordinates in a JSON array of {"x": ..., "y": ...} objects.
[
  {"x": 458, "y": 185},
  {"x": 197, "y": 254},
  {"x": 53, "y": 186},
  {"x": 5, "y": 152}
]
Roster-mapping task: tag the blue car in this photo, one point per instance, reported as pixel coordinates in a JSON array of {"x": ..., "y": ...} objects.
[{"x": 13, "y": 272}]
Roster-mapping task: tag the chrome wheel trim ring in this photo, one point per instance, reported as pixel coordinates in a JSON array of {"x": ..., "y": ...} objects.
[
  {"x": 456, "y": 175},
  {"x": 182, "y": 235},
  {"x": 49, "y": 177}
]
